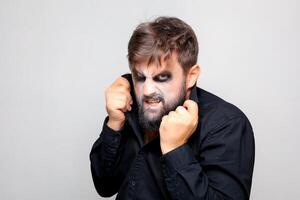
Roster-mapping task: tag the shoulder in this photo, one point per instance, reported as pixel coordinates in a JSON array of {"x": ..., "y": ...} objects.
[{"x": 215, "y": 111}]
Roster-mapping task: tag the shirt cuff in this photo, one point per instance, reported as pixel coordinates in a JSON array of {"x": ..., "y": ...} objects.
[
  {"x": 177, "y": 159},
  {"x": 109, "y": 136}
]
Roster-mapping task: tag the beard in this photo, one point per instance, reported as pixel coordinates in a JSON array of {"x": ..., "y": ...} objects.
[{"x": 152, "y": 124}]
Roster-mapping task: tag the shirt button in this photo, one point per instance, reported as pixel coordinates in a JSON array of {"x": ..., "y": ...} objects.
[{"x": 133, "y": 183}]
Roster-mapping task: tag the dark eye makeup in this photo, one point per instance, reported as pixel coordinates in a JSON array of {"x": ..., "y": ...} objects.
[
  {"x": 162, "y": 77},
  {"x": 138, "y": 77}
]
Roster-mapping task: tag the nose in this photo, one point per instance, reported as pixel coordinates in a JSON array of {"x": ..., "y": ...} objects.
[{"x": 149, "y": 88}]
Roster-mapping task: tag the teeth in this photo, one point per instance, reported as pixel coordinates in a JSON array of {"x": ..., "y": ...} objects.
[{"x": 153, "y": 101}]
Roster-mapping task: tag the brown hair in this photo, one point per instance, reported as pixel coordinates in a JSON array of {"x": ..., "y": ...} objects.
[{"x": 162, "y": 37}]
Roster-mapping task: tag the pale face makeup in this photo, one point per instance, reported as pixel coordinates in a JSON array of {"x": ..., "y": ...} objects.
[{"x": 158, "y": 90}]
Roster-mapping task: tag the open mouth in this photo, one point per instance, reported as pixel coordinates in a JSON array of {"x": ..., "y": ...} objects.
[{"x": 152, "y": 103}]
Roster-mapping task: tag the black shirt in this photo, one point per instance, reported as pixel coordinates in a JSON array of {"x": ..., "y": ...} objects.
[{"x": 216, "y": 162}]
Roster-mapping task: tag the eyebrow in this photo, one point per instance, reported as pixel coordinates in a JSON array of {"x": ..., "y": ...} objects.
[{"x": 165, "y": 71}]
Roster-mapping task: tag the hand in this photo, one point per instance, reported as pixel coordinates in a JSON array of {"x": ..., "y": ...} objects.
[
  {"x": 177, "y": 127},
  {"x": 118, "y": 101}
]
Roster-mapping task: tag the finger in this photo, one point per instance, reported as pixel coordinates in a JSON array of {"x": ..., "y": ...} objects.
[
  {"x": 121, "y": 81},
  {"x": 125, "y": 96},
  {"x": 192, "y": 107},
  {"x": 128, "y": 96},
  {"x": 172, "y": 114},
  {"x": 181, "y": 110},
  {"x": 129, "y": 99},
  {"x": 164, "y": 119},
  {"x": 120, "y": 104},
  {"x": 120, "y": 88},
  {"x": 128, "y": 105},
  {"x": 126, "y": 108}
]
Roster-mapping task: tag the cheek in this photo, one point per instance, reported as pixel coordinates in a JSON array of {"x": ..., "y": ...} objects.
[
  {"x": 170, "y": 92},
  {"x": 138, "y": 92},
  {"x": 169, "y": 97},
  {"x": 173, "y": 91}
]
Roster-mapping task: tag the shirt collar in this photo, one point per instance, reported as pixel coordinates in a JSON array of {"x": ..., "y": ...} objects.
[{"x": 194, "y": 95}]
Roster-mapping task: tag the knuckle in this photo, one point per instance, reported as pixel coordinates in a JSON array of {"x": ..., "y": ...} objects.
[
  {"x": 123, "y": 81},
  {"x": 178, "y": 108},
  {"x": 172, "y": 113}
]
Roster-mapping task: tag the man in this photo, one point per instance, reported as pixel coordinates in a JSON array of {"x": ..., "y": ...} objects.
[{"x": 165, "y": 138}]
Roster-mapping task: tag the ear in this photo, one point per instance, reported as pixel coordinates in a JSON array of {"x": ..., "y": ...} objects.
[{"x": 192, "y": 76}]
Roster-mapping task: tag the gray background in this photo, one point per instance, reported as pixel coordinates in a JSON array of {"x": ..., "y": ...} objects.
[{"x": 57, "y": 57}]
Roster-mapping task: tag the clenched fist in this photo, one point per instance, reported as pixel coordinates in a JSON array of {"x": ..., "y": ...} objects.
[
  {"x": 118, "y": 101},
  {"x": 176, "y": 127}
]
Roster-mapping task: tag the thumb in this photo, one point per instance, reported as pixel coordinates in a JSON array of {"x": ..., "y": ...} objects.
[{"x": 192, "y": 107}]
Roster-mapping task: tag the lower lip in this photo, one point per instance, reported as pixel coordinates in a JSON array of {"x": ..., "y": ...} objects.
[{"x": 152, "y": 105}]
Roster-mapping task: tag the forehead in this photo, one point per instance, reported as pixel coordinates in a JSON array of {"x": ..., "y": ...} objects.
[{"x": 169, "y": 64}]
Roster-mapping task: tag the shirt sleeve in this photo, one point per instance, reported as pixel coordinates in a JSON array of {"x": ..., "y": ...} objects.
[
  {"x": 222, "y": 169},
  {"x": 103, "y": 158}
]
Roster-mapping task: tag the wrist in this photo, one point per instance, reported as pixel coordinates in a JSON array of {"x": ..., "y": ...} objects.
[
  {"x": 115, "y": 125},
  {"x": 165, "y": 148}
]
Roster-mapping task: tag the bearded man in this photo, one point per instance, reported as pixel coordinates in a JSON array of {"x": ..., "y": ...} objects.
[{"x": 164, "y": 137}]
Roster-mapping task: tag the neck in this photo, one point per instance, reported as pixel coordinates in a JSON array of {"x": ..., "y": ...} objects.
[
  {"x": 148, "y": 136},
  {"x": 188, "y": 94}
]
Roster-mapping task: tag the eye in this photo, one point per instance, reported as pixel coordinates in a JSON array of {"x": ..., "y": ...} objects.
[
  {"x": 139, "y": 78},
  {"x": 162, "y": 77}
]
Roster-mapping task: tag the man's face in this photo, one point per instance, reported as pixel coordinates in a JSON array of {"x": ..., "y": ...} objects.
[{"x": 158, "y": 90}]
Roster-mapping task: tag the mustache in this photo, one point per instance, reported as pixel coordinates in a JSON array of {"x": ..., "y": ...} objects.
[{"x": 153, "y": 97}]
